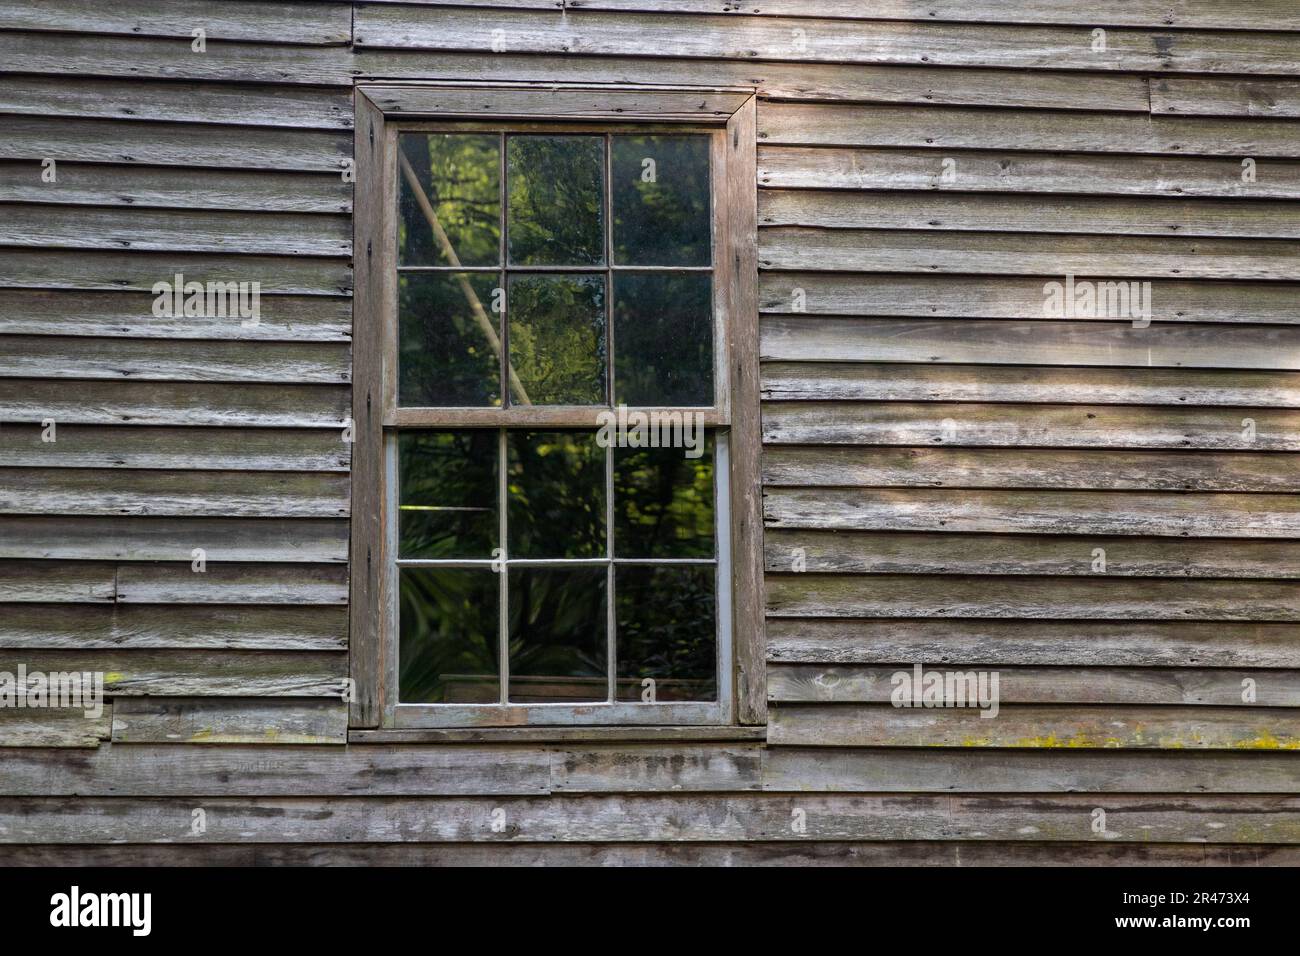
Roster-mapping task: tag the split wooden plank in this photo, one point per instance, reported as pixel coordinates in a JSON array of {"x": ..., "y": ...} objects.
[
  {"x": 142, "y": 583},
  {"x": 922, "y": 553},
  {"x": 1171, "y": 514},
  {"x": 1033, "y": 726},
  {"x": 263, "y": 22},
  {"x": 1045, "y": 426},
  {"x": 228, "y": 721},
  {"x": 836, "y": 209},
  {"x": 228, "y": 449},
  {"x": 895, "y": 770},
  {"x": 1012, "y": 297},
  {"x": 172, "y": 144},
  {"x": 795, "y": 167},
  {"x": 140, "y": 271},
  {"x": 48, "y": 583},
  {"x": 162, "y": 187},
  {"x": 1147, "y": 599},
  {"x": 286, "y": 363},
  {"x": 857, "y": 382},
  {"x": 798, "y": 124},
  {"x": 1146, "y": 686},
  {"x": 1089, "y": 470},
  {"x": 180, "y": 673},
  {"x": 163, "y": 230},
  {"x": 819, "y": 40},
  {"x": 53, "y": 727},
  {"x": 641, "y": 818},
  {"x": 1067, "y": 343},
  {"x": 298, "y": 107},
  {"x": 1185, "y": 96},
  {"x": 127, "y": 314},
  {"x": 1125, "y": 643},
  {"x": 91, "y": 538},
  {"x": 865, "y": 250},
  {"x": 820, "y": 82},
  {"x": 218, "y": 494},
  {"x": 165, "y": 403},
  {"x": 90, "y": 55},
  {"x": 88, "y": 627}
]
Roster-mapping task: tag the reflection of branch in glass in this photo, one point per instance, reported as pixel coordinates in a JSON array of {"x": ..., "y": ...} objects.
[{"x": 471, "y": 297}]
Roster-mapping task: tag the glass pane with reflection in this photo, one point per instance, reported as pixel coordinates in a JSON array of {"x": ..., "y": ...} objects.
[
  {"x": 557, "y": 339},
  {"x": 558, "y": 635},
  {"x": 448, "y": 341},
  {"x": 449, "y": 636},
  {"x": 666, "y": 631},
  {"x": 660, "y": 190},
  {"x": 556, "y": 188},
  {"x": 555, "y": 495},
  {"x": 663, "y": 502},
  {"x": 447, "y": 505},
  {"x": 451, "y": 214},
  {"x": 663, "y": 338}
]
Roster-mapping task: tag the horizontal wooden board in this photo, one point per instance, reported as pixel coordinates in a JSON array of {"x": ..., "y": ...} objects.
[
  {"x": 178, "y": 673},
  {"x": 140, "y": 271},
  {"x": 843, "y": 381},
  {"x": 266, "y": 22},
  {"x": 54, "y": 727},
  {"x": 896, "y": 770},
  {"x": 173, "y": 144},
  {"x": 163, "y": 230},
  {"x": 1272, "y": 15},
  {"x": 1036, "y": 512},
  {"x": 229, "y": 449},
  {"x": 1127, "y": 643},
  {"x": 142, "y": 583},
  {"x": 288, "y": 363},
  {"x": 1145, "y": 686},
  {"x": 144, "y": 720},
  {"x": 823, "y": 82},
  {"x": 1010, "y": 297},
  {"x": 864, "y": 552},
  {"x": 1222, "y": 819},
  {"x": 982, "y": 596},
  {"x": 177, "y": 102},
  {"x": 1185, "y": 96},
  {"x": 1091, "y": 470},
  {"x": 87, "y": 55},
  {"x": 1087, "y": 215},
  {"x": 43, "y": 582},
  {"x": 85, "y": 627},
  {"x": 867, "y": 250},
  {"x": 173, "y": 539},
  {"x": 192, "y": 493},
  {"x": 130, "y": 314},
  {"x": 169, "y": 403},
  {"x": 552, "y": 104},
  {"x": 1034, "y": 726},
  {"x": 151, "y": 187},
  {"x": 770, "y": 38},
  {"x": 1027, "y": 426},
  {"x": 1038, "y": 342},
  {"x": 796, "y": 167}
]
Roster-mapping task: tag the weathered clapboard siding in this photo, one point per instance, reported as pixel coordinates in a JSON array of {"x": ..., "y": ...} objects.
[{"x": 942, "y": 460}]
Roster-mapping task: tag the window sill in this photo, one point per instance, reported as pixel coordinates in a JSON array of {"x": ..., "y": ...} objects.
[{"x": 541, "y": 735}]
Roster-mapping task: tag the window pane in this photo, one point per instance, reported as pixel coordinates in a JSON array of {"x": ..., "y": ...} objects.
[
  {"x": 665, "y": 622},
  {"x": 558, "y": 622},
  {"x": 557, "y": 339},
  {"x": 556, "y": 187},
  {"x": 448, "y": 501},
  {"x": 447, "y": 340},
  {"x": 663, "y": 503},
  {"x": 460, "y": 176},
  {"x": 663, "y": 339},
  {"x": 661, "y": 200},
  {"x": 556, "y": 495},
  {"x": 449, "y": 653}
]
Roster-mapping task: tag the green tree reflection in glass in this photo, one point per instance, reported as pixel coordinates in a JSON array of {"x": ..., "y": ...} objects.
[{"x": 459, "y": 174}]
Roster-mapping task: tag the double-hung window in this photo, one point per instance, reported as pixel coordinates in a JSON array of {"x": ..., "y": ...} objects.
[{"x": 547, "y": 531}]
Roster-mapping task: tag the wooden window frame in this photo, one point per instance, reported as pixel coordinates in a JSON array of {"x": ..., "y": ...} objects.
[{"x": 381, "y": 111}]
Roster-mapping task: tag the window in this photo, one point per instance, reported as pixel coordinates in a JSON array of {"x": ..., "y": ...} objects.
[{"x": 548, "y": 526}]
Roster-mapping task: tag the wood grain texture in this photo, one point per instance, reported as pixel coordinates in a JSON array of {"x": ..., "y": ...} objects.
[
  {"x": 1184, "y": 96},
  {"x": 143, "y": 720},
  {"x": 54, "y": 727}
]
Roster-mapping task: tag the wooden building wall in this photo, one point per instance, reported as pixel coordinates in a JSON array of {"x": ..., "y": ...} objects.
[{"x": 942, "y": 459}]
